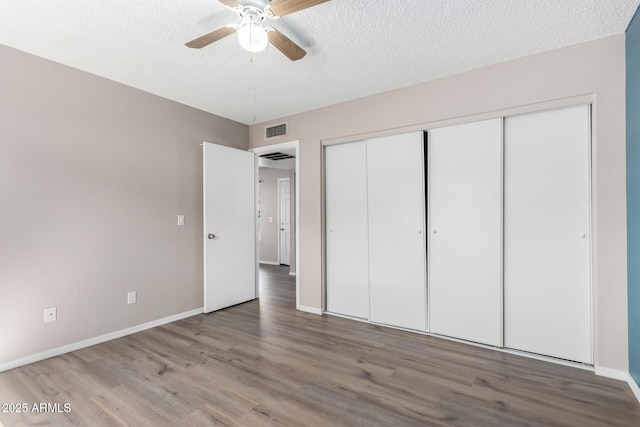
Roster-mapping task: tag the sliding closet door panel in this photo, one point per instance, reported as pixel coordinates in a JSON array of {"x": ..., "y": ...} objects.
[
  {"x": 465, "y": 265},
  {"x": 347, "y": 263},
  {"x": 396, "y": 230},
  {"x": 547, "y": 233}
]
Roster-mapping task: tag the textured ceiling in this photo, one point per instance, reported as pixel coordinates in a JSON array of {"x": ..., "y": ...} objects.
[{"x": 355, "y": 47}]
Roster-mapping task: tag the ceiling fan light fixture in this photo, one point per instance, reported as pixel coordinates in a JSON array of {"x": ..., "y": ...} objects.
[{"x": 251, "y": 35}]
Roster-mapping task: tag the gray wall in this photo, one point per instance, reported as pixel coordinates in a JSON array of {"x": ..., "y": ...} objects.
[
  {"x": 92, "y": 176},
  {"x": 594, "y": 71}
]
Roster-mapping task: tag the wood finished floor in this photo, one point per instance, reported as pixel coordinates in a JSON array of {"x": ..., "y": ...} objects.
[{"x": 264, "y": 363}]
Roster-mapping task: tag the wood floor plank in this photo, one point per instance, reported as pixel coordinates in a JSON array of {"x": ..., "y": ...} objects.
[
  {"x": 126, "y": 407},
  {"x": 264, "y": 363}
]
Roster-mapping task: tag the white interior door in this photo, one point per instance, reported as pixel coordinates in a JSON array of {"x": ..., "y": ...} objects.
[
  {"x": 347, "y": 247},
  {"x": 465, "y": 250},
  {"x": 230, "y": 266},
  {"x": 547, "y": 233},
  {"x": 397, "y": 248},
  {"x": 284, "y": 219}
]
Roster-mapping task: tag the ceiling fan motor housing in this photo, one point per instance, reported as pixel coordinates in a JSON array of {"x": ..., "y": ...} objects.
[
  {"x": 258, "y": 4},
  {"x": 251, "y": 35}
]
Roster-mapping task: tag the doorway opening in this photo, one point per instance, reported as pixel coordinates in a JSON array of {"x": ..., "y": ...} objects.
[
  {"x": 284, "y": 222},
  {"x": 278, "y": 204}
]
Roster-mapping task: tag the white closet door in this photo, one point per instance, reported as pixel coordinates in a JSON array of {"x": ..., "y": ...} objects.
[
  {"x": 347, "y": 258},
  {"x": 465, "y": 207},
  {"x": 547, "y": 233},
  {"x": 397, "y": 256}
]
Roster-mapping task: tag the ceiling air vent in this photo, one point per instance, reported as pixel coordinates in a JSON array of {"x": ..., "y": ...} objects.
[
  {"x": 275, "y": 130},
  {"x": 277, "y": 156}
]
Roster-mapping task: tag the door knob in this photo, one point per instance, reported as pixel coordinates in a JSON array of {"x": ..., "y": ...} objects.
[
  {"x": 211, "y": 236},
  {"x": 282, "y": 229},
  {"x": 435, "y": 231},
  {"x": 582, "y": 236}
]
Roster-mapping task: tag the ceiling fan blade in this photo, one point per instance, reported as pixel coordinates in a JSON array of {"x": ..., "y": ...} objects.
[
  {"x": 213, "y": 36},
  {"x": 230, "y": 3},
  {"x": 287, "y": 7},
  {"x": 284, "y": 45}
]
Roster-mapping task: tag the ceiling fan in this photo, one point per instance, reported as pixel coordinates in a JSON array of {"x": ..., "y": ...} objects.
[{"x": 251, "y": 34}]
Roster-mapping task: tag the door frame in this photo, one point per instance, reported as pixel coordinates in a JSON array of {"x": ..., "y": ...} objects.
[
  {"x": 278, "y": 201},
  {"x": 295, "y": 144}
]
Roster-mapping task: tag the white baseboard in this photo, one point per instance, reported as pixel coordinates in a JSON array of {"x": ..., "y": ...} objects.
[
  {"x": 96, "y": 340},
  {"x": 634, "y": 387},
  {"x": 269, "y": 262},
  {"x": 292, "y": 273},
  {"x": 616, "y": 374},
  {"x": 312, "y": 310}
]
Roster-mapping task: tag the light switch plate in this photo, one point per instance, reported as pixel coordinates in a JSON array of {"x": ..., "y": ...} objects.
[
  {"x": 50, "y": 314},
  {"x": 180, "y": 219},
  {"x": 132, "y": 297}
]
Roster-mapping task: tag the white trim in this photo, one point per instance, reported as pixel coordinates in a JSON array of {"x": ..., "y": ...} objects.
[
  {"x": 592, "y": 231},
  {"x": 346, "y": 316},
  {"x": 634, "y": 387},
  {"x": 97, "y": 340},
  {"x": 204, "y": 223},
  {"x": 312, "y": 310},
  {"x": 502, "y": 172},
  {"x": 275, "y": 147},
  {"x": 283, "y": 146},
  {"x": 427, "y": 231},
  {"x": 269, "y": 262},
  {"x": 542, "y": 357},
  {"x": 615, "y": 374},
  {"x": 256, "y": 222},
  {"x": 292, "y": 273}
]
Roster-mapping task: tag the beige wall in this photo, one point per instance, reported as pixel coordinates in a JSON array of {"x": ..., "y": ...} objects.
[
  {"x": 92, "y": 176},
  {"x": 594, "y": 69}
]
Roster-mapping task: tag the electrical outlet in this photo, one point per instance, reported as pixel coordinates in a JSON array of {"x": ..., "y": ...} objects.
[
  {"x": 50, "y": 314},
  {"x": 132, "y": 297},
  {"x": 180, "y": 219}
]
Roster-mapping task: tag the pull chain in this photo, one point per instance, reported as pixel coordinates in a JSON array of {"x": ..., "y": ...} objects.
[{"x": 252, "y": 59}]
